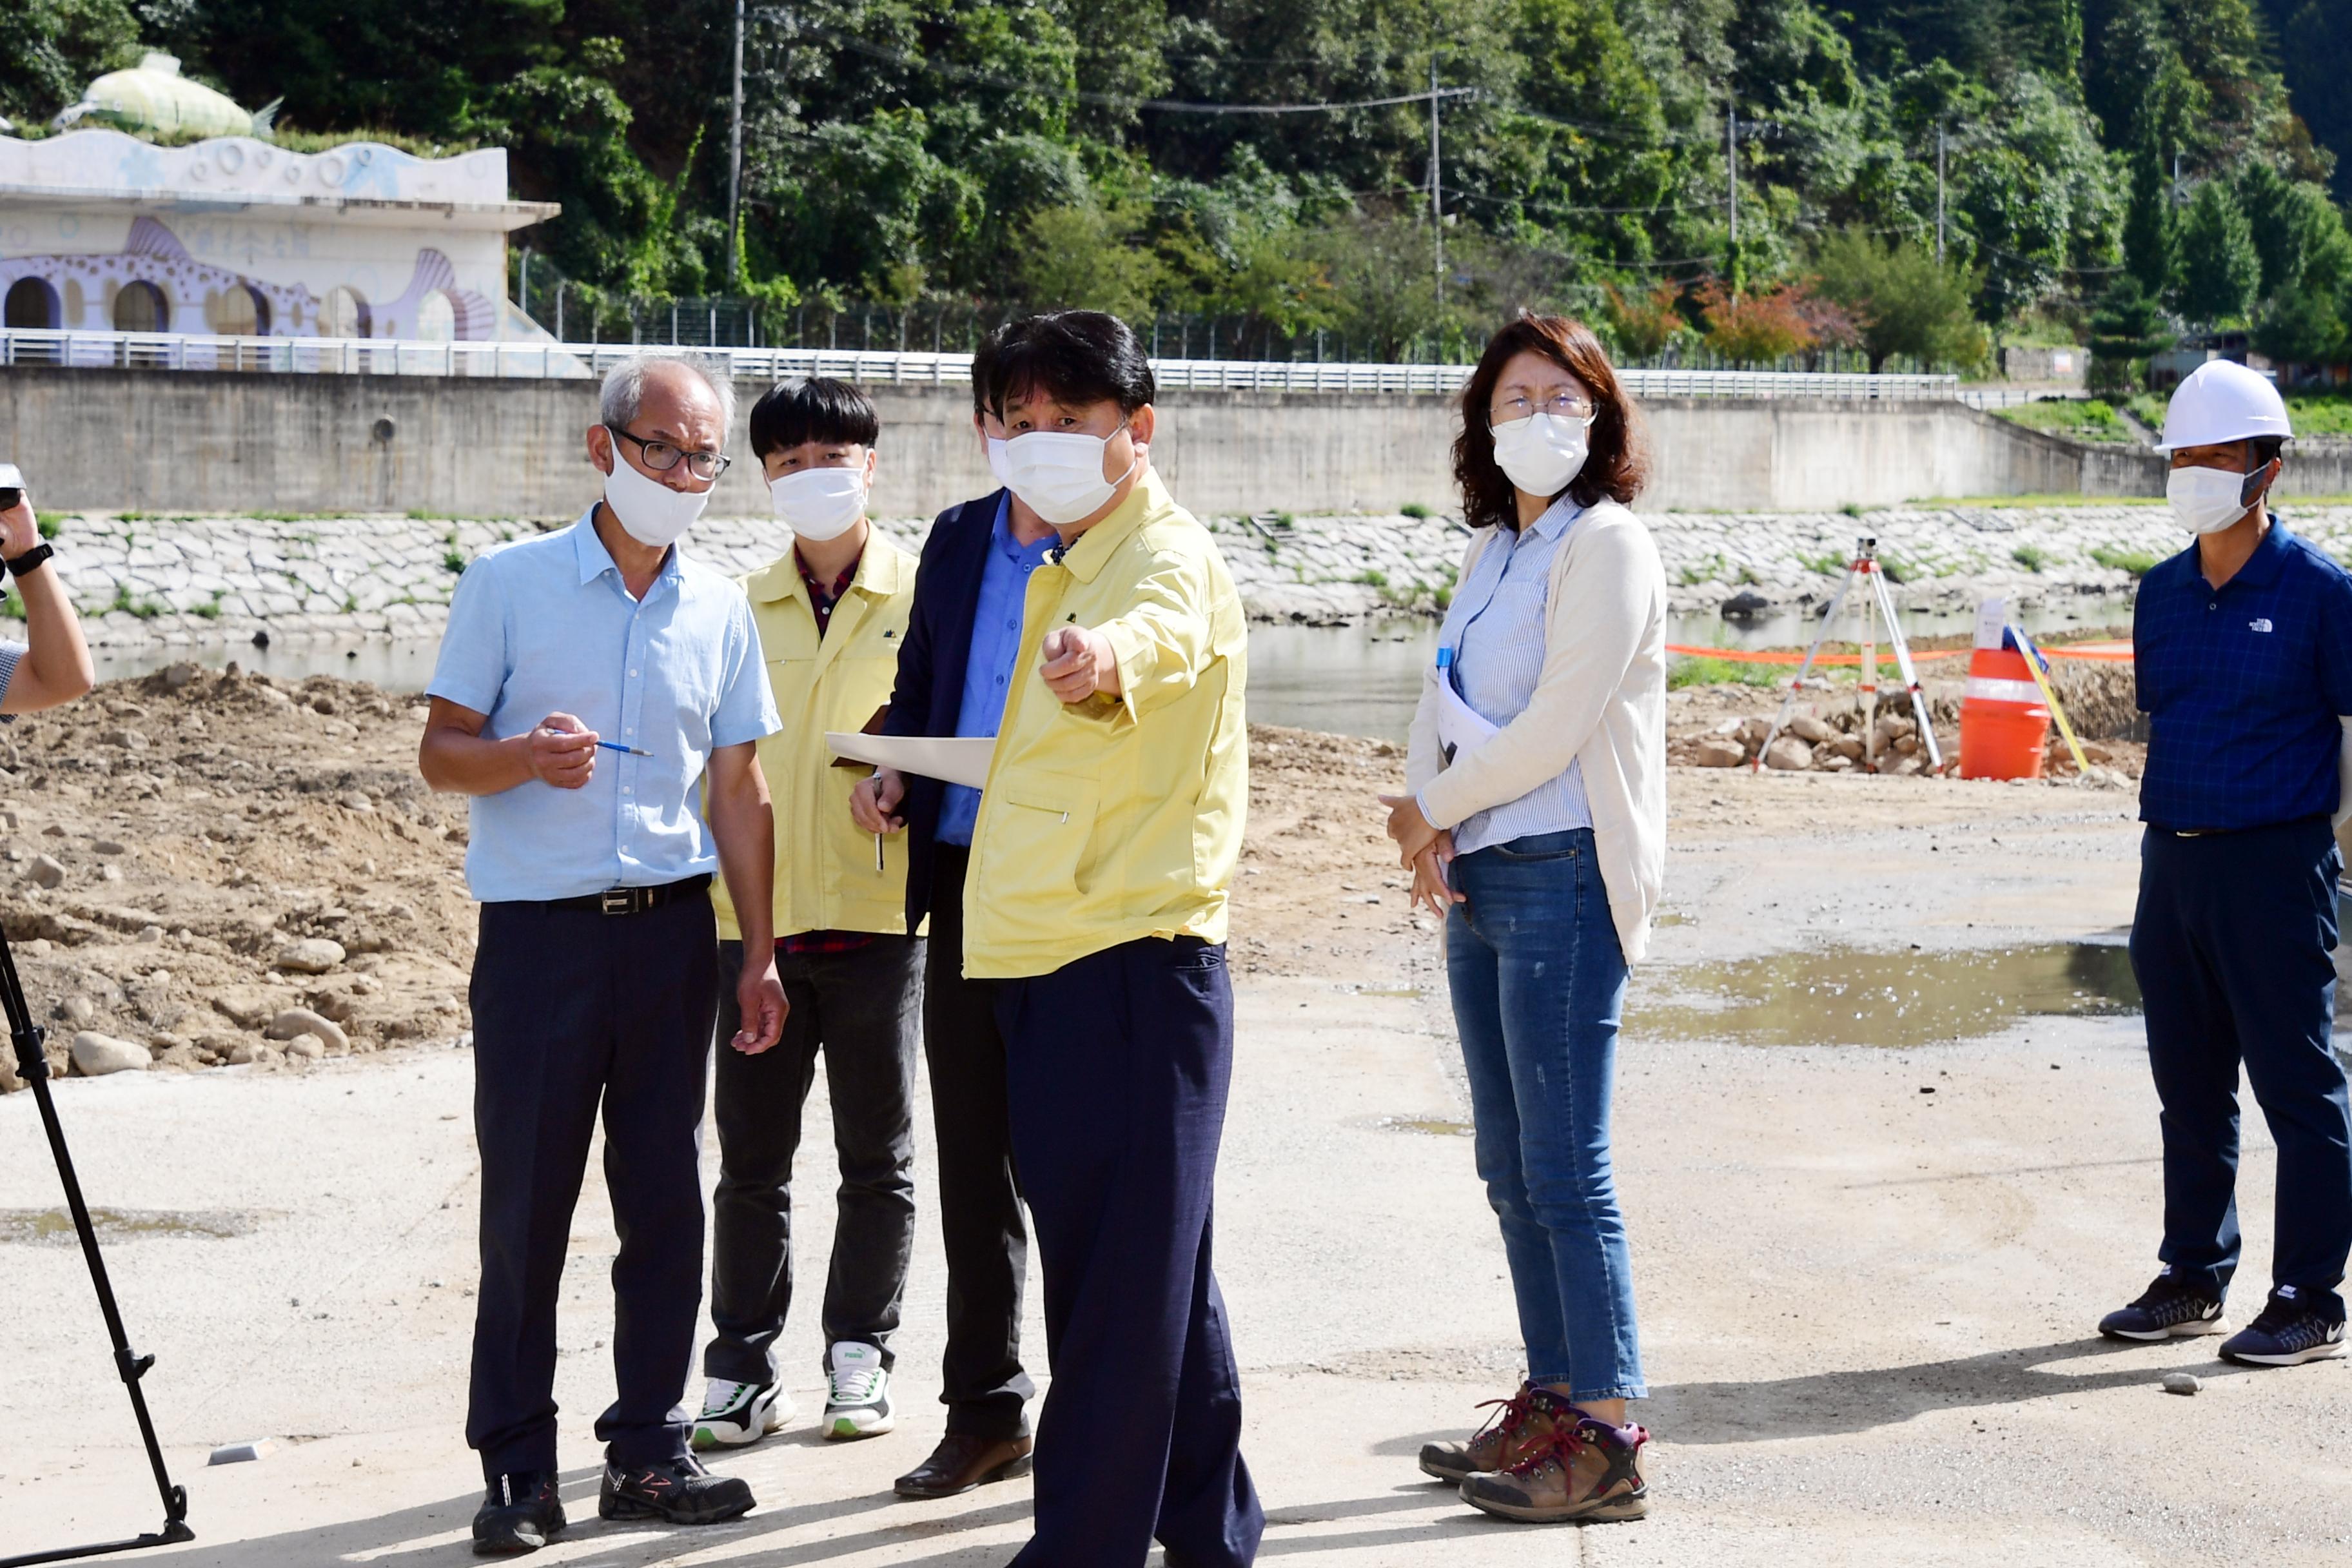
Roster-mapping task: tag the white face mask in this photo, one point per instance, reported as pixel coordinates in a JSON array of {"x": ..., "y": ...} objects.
[
  {"x": 650, "y": 512},
  {"x": 1060, "y": 475},
  {"x": 2206, "y": 501},
  {"x": 1541, "y": 452},
  {"x": 998, "y": 463},
  {"x": 819, "y": 503}
]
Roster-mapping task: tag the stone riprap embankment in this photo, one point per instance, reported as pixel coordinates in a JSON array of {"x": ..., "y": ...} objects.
[{"x": 144, "y": 579}]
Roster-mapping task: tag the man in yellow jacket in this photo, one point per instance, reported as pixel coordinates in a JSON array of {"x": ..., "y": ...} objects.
[
  {"x": 831, "y": 613},
  {"x": 1109, "y": 829}
]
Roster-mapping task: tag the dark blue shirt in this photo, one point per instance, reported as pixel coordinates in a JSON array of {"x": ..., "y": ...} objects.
[
  {"x": 995, "y": 644},
  {"x": 2242, "y": 685}
]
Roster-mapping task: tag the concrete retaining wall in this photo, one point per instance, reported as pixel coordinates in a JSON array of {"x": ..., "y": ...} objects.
[{"x": 199, "y": 442}]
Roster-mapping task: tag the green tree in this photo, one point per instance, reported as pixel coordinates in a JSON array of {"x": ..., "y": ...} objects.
[
  {"x": 2295, "y": 224},
  {"x": 2151, "y": 227},
  {"x": 49, "y": 50},
  {"x": 2127, "y": 330},
  {"x": 1080, "y": 259},
  {"x": 1900, "y": 300},
  {"x": 2299, "y": 326},
  {"x": 2219, "y": 269}
]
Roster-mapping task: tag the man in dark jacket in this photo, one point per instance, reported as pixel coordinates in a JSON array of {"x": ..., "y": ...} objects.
[{"x": 954, "y": 670}]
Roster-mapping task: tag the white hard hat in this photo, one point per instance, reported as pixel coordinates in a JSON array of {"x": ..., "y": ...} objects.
[{"x": 2221, "y": 400}]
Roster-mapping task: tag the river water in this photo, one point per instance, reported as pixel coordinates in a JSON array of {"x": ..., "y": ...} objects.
[{"x": 1347, "y": 680}]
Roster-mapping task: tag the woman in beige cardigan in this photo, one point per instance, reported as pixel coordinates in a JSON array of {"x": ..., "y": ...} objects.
[{"x": 1535, "y": 823}]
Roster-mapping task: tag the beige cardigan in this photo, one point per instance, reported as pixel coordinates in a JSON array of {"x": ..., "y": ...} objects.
[{"x": 1600, "y": 702}]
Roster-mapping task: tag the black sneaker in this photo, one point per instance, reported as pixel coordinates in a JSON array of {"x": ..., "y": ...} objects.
[
  {"x": 521, "y": 1513},
  {"x": 2164, "y": 1311},
  {"x": 2287, "y": 1334},
  {"x": 679, "y": 1490}
]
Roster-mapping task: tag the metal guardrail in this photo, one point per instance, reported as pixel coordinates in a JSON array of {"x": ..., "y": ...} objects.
[{"x": 554, "y": 360}]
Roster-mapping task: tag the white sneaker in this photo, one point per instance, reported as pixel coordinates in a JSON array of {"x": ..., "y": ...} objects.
[
  {"x": 734, "y": 1413},
  {"x": 858, "y": 1393}
]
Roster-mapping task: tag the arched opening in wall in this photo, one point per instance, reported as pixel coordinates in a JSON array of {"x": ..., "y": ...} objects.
[
  {"x": 344, "y": 315},
  {"x": 436, "y": 318},
  {"x": 139, "y": 307},
  {"x": 33, "y": 304},
  {"x": 238, "y": 311}
]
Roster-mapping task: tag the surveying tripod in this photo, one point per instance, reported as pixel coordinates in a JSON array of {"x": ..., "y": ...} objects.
[
  {"x": 30, "y": 1062},
  {"x": 1874, "y": 604}
]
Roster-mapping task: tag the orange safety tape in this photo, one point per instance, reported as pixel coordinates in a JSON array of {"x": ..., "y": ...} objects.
[{"x": 1886, "y": 655}]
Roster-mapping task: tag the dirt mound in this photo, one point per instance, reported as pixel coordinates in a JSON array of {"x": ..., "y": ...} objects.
[{"x": 195, "y": 862}]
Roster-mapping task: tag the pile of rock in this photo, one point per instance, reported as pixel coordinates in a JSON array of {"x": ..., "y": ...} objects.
[{"x": 1831, "y": 743}]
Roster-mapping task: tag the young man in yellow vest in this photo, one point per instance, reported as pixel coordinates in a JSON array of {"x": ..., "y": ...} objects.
[
  {"x": 831, "y": 613},
  {"x": 1109, "y": 829}
]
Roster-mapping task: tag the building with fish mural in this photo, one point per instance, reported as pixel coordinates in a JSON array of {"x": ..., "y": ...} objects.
[{"x": 104, "y": 232}]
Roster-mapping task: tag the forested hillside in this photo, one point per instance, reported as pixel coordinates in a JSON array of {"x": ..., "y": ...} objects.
[{"x": 1186, "y": 155}]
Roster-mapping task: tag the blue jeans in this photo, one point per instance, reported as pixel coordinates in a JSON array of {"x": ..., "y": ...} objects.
[{"x": 1539, "y": 982}]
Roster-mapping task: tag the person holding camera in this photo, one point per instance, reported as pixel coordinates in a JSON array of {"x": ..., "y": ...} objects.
[{"x": 51, "y": 667}]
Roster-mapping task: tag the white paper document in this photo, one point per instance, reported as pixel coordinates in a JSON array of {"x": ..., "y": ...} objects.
[
  {"x": 960, "y": 760},
  {"x": 1459, "y": 727}
]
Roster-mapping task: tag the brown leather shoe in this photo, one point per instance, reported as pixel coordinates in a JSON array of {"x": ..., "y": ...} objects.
[
  {"x": 1586, "y": 1471},
  {"x": 963, "y": 1461},
  {"x": 1521, "y": 1425}
]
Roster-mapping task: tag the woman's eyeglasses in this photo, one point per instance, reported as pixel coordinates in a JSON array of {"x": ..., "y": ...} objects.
[{"x": 1559, "y": 406}]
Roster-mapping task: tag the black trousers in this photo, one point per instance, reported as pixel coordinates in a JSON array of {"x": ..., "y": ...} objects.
[
  {"x": 986, "y": 1235},
  {"x": 858, "y": 1008},
  {"x": 2233, "y": 944},
  {"x": 1118, "y": 1065},
  {"x": 574, "y": 1010}
]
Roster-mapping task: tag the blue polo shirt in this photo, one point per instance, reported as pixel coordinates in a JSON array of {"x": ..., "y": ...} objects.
[
  {"x": 546, "y": 626},
  {"x": 995, "y": 644},
  {"x": 2242, "y": 686}
]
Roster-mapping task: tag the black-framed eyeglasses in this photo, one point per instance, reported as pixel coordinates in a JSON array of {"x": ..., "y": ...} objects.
[{"x": 661, "y": 456}]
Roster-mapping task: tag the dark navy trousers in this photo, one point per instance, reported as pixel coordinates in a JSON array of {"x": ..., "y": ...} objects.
[
  {"x": 2234, "y": 945},
  {"x": 574, "y": 1010},
  {"x": 1117, "y": 1071}
]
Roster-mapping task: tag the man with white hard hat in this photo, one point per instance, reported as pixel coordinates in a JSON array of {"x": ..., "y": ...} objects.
[{"x": 2244, "y": 649}]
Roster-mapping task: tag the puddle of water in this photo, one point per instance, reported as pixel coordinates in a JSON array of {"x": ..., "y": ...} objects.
[
  {"x": 34, "y": 1226},
  {"x": 1844, "y": 997}
]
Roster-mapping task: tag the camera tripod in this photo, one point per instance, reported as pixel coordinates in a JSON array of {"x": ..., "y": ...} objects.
[
  {"x": 27, "y": 1037},
  {"x": 1874, "y": 605}
]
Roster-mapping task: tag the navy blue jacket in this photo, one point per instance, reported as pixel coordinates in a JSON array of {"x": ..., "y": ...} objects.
[{"x": 929, "y": 691}]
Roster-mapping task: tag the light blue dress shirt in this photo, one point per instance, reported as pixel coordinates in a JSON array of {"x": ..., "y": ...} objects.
[
  {"x": 1494, "y": 633},
  {"x": 546, "y": 626},
  {"x": 987, "y": 665}
]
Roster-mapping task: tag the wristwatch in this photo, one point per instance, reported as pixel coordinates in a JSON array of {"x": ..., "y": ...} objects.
[{"x": 31, "y": 558}]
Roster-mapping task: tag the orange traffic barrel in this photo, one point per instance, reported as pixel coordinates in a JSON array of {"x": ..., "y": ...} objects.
[{"x": 2004, "y": 723}]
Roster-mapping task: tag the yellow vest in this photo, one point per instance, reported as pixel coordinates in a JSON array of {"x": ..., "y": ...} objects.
[
  {"x": 825, "y": 879},
  {"x": 1117, "y": 817}
]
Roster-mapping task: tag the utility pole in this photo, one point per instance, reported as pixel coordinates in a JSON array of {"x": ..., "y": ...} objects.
[
  {"x": 1731, "y": 165},
  {"x": 1940, "y": 193},
  {"x": 1437, "y": 191},
  {"x": 735, "y": 158}
]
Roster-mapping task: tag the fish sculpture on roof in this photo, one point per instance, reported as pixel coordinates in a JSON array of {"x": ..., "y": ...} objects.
[{"x": 155, "y": 97}]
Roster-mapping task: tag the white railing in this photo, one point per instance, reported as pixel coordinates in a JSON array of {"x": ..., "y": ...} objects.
[{"x": 553, "y": 360}]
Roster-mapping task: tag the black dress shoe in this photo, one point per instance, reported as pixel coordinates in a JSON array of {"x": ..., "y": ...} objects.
[
  {"x": 521, "y": 1513},
  {"x": 963, "y": 1461},
  {"x": 678, "y": 1490}
]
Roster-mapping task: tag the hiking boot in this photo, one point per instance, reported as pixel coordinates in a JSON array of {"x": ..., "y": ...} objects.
[
  {"x": 1587, "y": 1470},
  {"x": 1520, "y": 1425},
  {"x": 858, "y": 1392},
  {"x": 679, "y": 1492},
  {"x": 2164, "y": 1311},
  {"x": 2287, "y": 1334},
  {"x": 521, "y": 1513},
  {"x": 734, "y": 1413}
]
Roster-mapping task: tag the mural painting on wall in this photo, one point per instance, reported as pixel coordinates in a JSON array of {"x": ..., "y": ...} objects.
[{"x": 153, "y": 285}]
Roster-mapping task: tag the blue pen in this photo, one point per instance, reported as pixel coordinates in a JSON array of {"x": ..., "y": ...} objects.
[{"x": 624, "y": 750}]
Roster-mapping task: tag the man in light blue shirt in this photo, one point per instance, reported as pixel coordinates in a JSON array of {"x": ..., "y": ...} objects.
[{"x": 599, "y": 696}]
